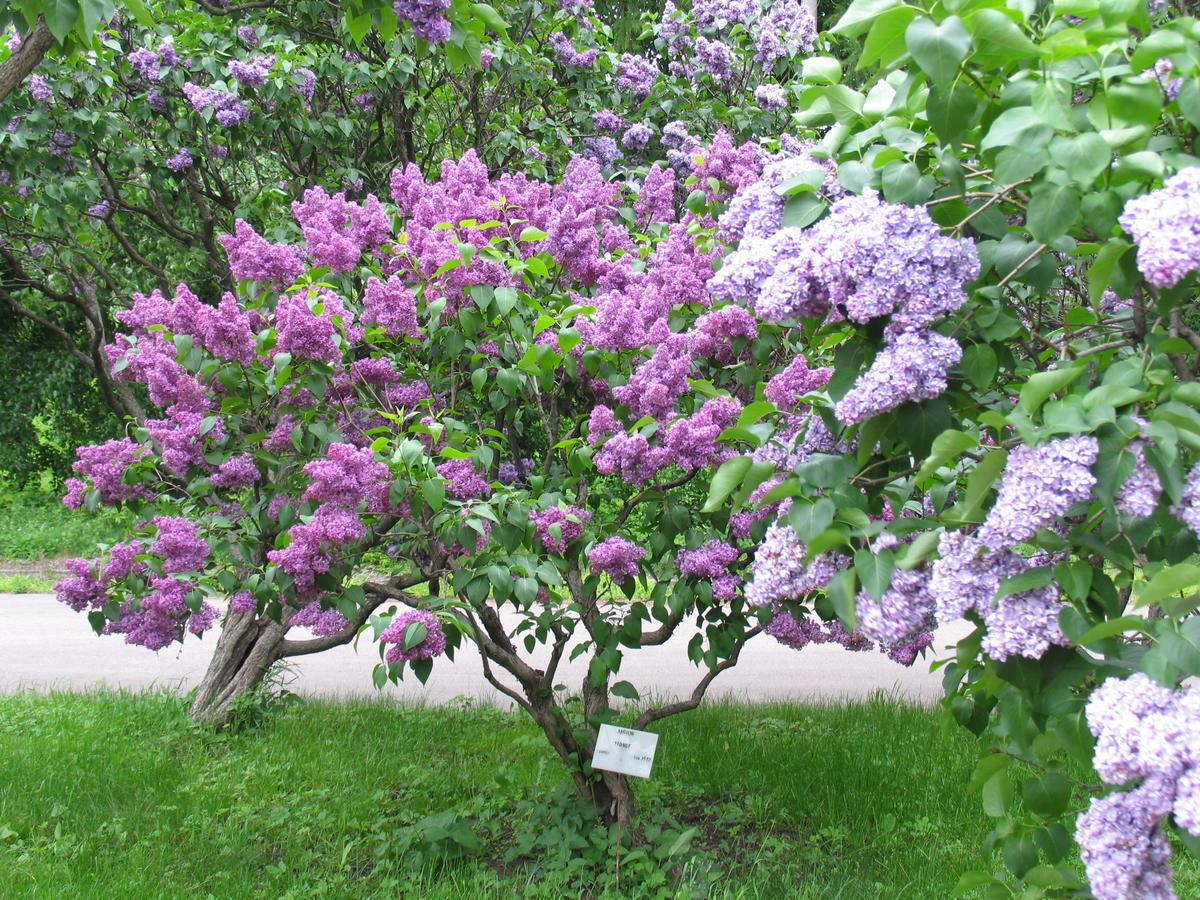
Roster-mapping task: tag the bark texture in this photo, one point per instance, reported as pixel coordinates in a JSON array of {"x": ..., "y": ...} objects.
[
  {"x": 245, "y": 651},
  {"x": 17, "y": 67}
]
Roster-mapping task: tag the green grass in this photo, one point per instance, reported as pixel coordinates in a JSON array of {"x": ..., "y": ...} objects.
[
  {"x": 35, "y": 525},
  {"x": 113, "y": 796}
]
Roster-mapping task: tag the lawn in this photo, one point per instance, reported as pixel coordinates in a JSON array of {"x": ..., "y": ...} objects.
[{"x": 113, "y": 795}]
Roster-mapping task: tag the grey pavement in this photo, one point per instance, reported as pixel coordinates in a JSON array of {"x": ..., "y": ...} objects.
[{"x": 46, "y": 646}]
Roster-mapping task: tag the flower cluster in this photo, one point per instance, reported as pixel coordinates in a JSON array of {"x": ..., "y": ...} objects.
[
  {"x": 1165, "y": 225},
  {"x": 252, "y": 73},
  {"x": 1149, "y": 732},
  {"x": 229, "y": 110},
  {"x": 427, "y": 18},
  {"x": 780, "y": 573},
  {"x": 636, "y": 75},
  {"x": 616, "y": 557},
  {"x": 559, "y": 525},
  {"x": 967, "y": 577},
  {"x": 1038, "y": 486},
  {"x": 432, "y": 645},
  {"x": 567, "y": 55},
  {"x": 711, "y": 563}
]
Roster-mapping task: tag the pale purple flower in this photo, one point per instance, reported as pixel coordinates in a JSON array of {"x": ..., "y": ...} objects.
[{"x": 1165, "y": 225}]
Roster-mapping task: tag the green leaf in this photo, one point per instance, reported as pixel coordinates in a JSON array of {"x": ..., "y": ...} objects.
[
  {"x": 1113, "y": 627},
  {"x": 139, "y": 11},
  {"x": 1168, "y": 582},
  {"x": 434, "y": 492},
  {"x": 1181, "y": 650},
  {"x": 998, "y": 39},
  {"x": 726, "y": 480},
  {"x": 938, "y": 47},
  {"x": 625, "y": 690},
  {"x": 810, "y": 519},
  {"x": 885, "y": 41},
  {"x": 860, "y": 14},
  {"x": 997, "y": 795},
  {"x": 1040, "y": 386},
  {"x": 530, "y": 233},
  {"x": 952, "y": 109},
  {"x": 1053, "y": 209},
  {"x": 979, "y": 482},
  {"x": 1101, "y": 270},
  {"x": 490, "y": 17},
  {"x": 802, "y": 210},
  {"x": 1083, "y": 157},
  {"x": 980, "y": 364},
  {"x": 947, "y": 446},
  {"x": 1012, "y": 126},
  {"x": 919, "y": 424},
  {"x": 60, "y": 16},
  {"x": 414, "y": 635},
  {"x": 842, "y": 597},
  {"x": 1037, "y": 577},
  {"x": 874, "y": 570}
]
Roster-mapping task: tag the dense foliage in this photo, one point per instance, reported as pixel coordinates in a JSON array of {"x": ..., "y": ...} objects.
[{"x": 926, "y": 345}]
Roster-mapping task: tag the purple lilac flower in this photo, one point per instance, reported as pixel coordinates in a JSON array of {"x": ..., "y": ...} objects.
[
  {"x": 780, "y": 573},
  {"x": 965, "y": 578},
  {"x": 715, "y": 57},
  {"x": 912, "y": 367},
  {"x": 307, "y": 83},
  {"x": 1188, "y": 508},
  {"x": 229, "y": 109},
  {"x": 248, "y": 35},
  {"x": 567, "y": 55},
  {"x": 252, "y": 73},
  {"x": 321, "y": 622},
  {"x": 39, "y": 89},
  {"x": 602, "y": 149},
  {"x": 1139, "y": 494},
  {"x": 61, "y": 143},
  {"x": 771, "y": 96},
  {"x": 711, "y": 563},
  {"x": 251, "y": 256},
  {"x": 100, "y": 210},
  {"x": 433, "y": 644},
  {"x": 463, "y": 482},
  {"x": 787, "y": 387},
  {"x": 559, "y": 525},
  {"x": 903, "y": 612},
  {"x": 607, "y": 120},
  {"x": 659, "y": 382},
  {"x": 636, "y": 75},
  {"x": 243, "y": 602},
  {"x": 637, "y": 137},
  {"x": 181, "y": 160},
  {"x": 147, "y": 64},
  {"x": 1165, "y": 225},
  {"x": 1040, "y": 484},
  {"x": 179, "y": 544},
  {"x": 786, "y": 30},
  {"x": 1161, "y": 72},
  {"x": 616, "y": 557},
  {"x": 427, "y": 17}
]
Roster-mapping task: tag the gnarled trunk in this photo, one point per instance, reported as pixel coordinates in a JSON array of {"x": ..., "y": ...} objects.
[{"x": 245, "y": 651}]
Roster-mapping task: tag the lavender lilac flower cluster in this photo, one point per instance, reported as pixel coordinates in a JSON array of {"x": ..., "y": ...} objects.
[
  {"x": 1148, "y": 732},
  {"x": 1165, "y": 225}
]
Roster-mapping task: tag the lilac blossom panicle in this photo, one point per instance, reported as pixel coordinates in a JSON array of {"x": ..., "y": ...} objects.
[
  {"x": 228, "y": 108},
  {"x": 247, "y": 35},
  {"x": 251, "y": 256},
  {"x": 637, "y": 137},
  {"x": 567, "y": 55},
  {"x": 147, "y": 64},
  {"x": 1150, "y": 733},
  {"x": 433, "y": 645},
  {"x": 1165, "y": 225},
  {"x": 1187, "y": 510},
  {"x": 181, "y": 160},
  {"x": 568, "y": 521},
  {"x": 252, "y": 73},
  {"x": 636, "y": 75},
  {"x": 911, "y": 368},
  {"x": 780, "y": 573},
  {"x": 966, "y": 578},
  {"x": 427, "y": 17},
  {"x": 39, "y": 89},
  {"x": 786, "y": 30},
  {"x": 710, "y": 562},
  {"x": 616, "y": 557},
  {"x": 715, "y": 57},
  {"x": 1040, "y": 484},
  {"x": 321, "y": 622},
  {"x": 771, "y": 96},
  {"x": 463, "y": 482},
  {"x": 903, "y": 612},
  {"x": 337, "y": 231},
  {"x": 607, "y": 120},
  {"x": 1141, "y": 490}
]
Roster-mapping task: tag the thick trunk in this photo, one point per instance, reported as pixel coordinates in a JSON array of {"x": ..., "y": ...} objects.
[
  {"x": 17, "y": 67},
  {"x": 245, "y": 651}
]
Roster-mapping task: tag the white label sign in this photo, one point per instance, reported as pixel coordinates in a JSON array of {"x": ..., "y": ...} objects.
[{"x": 625, "y": 750}]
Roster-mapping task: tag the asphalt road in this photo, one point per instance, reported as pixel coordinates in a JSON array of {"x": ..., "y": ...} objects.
[{"x": 46, "y": 646}]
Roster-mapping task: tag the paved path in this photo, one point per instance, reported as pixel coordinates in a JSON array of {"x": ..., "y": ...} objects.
[{"x": 44, "y": 646}]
